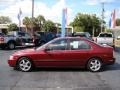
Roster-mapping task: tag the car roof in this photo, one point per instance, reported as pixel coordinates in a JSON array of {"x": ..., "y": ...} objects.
[{"x": 82, "y": 38}]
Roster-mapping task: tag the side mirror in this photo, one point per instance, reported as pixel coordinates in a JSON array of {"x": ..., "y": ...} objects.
[{"x": 47, "y": 49}]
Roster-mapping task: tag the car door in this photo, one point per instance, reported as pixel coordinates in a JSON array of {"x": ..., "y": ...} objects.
[
  {"x": 79, "y": 52},
  {"x": 57, "y": 53},
  {"x": 53, "y": 54}
]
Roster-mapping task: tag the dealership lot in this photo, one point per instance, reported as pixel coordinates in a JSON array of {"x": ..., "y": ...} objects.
[{"x": 58, "y": 79}]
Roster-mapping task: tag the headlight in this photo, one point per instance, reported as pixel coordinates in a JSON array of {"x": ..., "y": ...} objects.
[{"x": 11, "y": 57}]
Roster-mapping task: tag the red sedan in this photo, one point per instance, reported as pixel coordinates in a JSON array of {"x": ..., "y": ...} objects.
[{"x": 64, "y": 52}]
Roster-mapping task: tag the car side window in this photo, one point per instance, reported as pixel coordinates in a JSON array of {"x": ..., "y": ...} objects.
[
  {"x": 58, "y": 45},
  {"x": 84, "y": 45},
  {"x": 79, "y": 45}
]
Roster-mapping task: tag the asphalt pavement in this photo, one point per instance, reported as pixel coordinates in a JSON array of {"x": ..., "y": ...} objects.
[{"x": 58, "y": 79}]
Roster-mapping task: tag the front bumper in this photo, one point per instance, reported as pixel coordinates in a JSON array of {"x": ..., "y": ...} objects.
[{"x": 12, "y": 63}]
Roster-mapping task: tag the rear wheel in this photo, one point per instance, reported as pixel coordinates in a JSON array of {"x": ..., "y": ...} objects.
[
  {"x": 25, "y": 64},
  {"x": 94, "y": 65}
]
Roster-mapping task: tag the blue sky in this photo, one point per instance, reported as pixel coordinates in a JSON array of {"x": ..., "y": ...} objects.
[{"x": 51, "y": 9}]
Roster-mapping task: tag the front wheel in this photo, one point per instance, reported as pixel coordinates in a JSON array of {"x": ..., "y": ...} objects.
[
  {"x": 94, "y": 65},
  {"x": 25, "y": 64}
]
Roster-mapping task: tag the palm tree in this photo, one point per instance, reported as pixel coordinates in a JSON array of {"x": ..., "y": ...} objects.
[
  {"x": 40, "y": 21},
  {"x": 27, "y": 22}
]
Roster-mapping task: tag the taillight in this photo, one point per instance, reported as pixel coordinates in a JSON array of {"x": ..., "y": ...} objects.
[{"x": 1, "y": 39}]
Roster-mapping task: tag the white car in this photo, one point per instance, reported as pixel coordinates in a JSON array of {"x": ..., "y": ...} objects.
[{"x": 105, "y": 38}]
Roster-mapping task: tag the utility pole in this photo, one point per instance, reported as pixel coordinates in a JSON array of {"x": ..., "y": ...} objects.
[
  {"x": 32, "y": 16},
  {"x": 102, "y": 16}
]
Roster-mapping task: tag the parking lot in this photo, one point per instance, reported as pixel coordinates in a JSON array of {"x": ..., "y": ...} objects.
[{"x": 58, "y": 79}]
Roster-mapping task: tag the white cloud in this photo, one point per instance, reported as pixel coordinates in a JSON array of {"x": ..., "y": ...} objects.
[
  {"x": 118, "y": 13},
  {"x": 95, "y": 2},
  {"x": 108, "y": 13},
  {"x": 53, "y": 13}
]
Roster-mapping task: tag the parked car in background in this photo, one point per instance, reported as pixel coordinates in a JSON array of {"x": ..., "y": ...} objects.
[
  {"x": 15, "y": 38},
  {"x": 116, "y": 33},
  {"x": 64, "y": 52},
  {"x": 43, "y": 37},
  {"x": 2, "y": 34},
  {"x": 105, "y": 38},
  {"x": 68, "y": 34},
  {"x": 82, "y": 34}
]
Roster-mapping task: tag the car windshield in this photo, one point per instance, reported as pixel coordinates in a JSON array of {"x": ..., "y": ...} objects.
[{"x": 43, "y": 46}]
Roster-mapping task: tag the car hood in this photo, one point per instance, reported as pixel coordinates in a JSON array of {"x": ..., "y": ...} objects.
[{"x": 26, "y": 51}]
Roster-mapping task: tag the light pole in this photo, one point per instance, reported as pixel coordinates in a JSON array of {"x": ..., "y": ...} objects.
[
  {"x": 32, "y": 8},
  {"x": 102, "y": 21},
  {"x": 32, "y": 15}
]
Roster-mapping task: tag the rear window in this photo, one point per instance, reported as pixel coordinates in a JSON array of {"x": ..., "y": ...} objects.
[{"x": 105, "y": 35}]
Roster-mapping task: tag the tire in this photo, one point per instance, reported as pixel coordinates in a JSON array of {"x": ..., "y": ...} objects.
[
  {"x": 11, "y": 45},
  {"x": 24, "y": 64},
  {"x": 94, "y": 65}
]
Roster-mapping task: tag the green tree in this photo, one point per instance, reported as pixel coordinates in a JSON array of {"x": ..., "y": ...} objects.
[
  {"x": 36, "y": 22},
  {"x": 39, "y": 23},
  {"x": 27, "y": 22},
  {"x": 118, "y": 22},
  {"x": 4, "y": 20},
  {"x": 13, "y": 27},
  {"x": 86, "y": 23},
  {"x": 49, "y": 26},
  {"x": 40, "y": 20}
]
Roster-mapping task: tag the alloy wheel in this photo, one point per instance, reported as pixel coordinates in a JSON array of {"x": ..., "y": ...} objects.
[
  {"x": 25, "y": 64},
  {"x": 94, "y": 65}
]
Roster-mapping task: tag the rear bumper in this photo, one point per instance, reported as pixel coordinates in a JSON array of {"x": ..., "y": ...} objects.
[
  {"x": 3, "y": 45},
  {"x": 111, "y": 62}
]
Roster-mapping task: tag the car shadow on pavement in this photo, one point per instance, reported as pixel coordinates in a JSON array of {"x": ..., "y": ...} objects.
[
  {"x": 114, "y": 67},
  {"x": 59, "y": 70}
]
